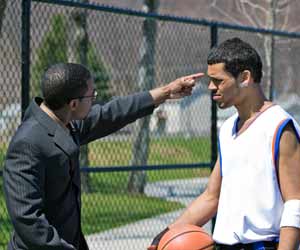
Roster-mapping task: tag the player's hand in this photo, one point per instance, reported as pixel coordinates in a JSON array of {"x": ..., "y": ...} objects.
[{"x": 156, "y": 239}]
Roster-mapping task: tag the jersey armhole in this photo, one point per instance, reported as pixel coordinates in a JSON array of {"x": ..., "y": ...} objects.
[{"x": 276, "y": 138}]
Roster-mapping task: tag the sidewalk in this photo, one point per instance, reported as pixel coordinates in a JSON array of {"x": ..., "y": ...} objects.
[{"x": 138, "y": 235}]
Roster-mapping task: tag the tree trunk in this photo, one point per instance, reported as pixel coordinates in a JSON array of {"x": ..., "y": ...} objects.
[
  {"x": 77, "y": 52},
  {"x": 146, "y": 75},
  {"x": 269, "y": 41}
]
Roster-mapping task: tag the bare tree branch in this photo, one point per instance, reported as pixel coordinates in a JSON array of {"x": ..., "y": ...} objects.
[
  {"x": 245, "y": 13},
  {"x": 284, "y": 3},
  {"x": 225, "y": 14},
  {"x": 286, "y": 14},
  {"x": 255, "y": 6}
]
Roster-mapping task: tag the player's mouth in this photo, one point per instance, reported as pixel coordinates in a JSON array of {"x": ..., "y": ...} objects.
[{"x": 216, "y": 97}]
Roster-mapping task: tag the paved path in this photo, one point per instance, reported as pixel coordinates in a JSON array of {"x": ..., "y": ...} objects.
[{"x": 138, "y": 235}]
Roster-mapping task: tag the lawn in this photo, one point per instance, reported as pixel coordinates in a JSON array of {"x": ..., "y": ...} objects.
[
  {"x": 176, "y": 150},
  {"x": 107, "y": 211},
  {"x": 109, "y": 205}
]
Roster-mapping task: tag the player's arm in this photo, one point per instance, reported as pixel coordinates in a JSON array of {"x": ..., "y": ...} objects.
[
  {"x": 289, "y": 173},
  {"x": 203, "y": 208}
]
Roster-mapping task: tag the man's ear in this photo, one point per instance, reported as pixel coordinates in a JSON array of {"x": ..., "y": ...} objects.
[{"x": 73, "y": 104}]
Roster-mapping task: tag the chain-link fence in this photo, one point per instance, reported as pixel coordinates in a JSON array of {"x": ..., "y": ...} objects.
[{"x": 182, "y": 134}]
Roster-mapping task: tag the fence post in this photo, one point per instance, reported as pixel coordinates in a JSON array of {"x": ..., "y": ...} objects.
[
  {"x": 214, "y": 132},
  {"x": 271, "y": 90},
  {"x": 26, "y": 4},
  {"x": 214, "y": 117}
]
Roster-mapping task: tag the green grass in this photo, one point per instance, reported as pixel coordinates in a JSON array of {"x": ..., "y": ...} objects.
[
  {"x": 110, "y": 205},
  {"x": 5, "y": 225},
  {"x": 114, "y": 210},
  {"x": 161, "y": 151},
  {"x": 3, "y": 148}
]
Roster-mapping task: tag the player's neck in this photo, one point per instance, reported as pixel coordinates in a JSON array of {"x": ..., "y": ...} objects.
[
  {"x": 251, "y": 108},
  {"x": 252, "y": 105}
]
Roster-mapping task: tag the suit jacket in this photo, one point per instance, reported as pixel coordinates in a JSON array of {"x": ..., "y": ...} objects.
[{"x": 42, "y": 176}]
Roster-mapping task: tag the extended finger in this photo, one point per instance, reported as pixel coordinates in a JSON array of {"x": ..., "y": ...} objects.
[{"x": 194, "y": 76}]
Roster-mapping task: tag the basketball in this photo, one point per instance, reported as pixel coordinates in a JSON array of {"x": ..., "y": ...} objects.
[{"x": 186, "y": 237}]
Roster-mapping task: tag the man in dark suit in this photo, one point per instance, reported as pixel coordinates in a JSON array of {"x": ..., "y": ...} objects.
[{"x": 41, "y": 173}]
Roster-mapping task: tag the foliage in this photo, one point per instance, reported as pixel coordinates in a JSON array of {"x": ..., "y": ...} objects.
[{"x": 54, "y": 48}]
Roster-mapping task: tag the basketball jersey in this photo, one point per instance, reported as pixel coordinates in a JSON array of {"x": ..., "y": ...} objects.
[{"x": 250, "y": 202}]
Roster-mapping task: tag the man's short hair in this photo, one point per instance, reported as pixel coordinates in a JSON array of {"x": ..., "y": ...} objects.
[
  {"x": 62, "y": 82},
  {"x": 237, "y": 56}
]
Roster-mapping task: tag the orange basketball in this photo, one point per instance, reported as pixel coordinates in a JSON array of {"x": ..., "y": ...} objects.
[{"x": 186, "y": 237}]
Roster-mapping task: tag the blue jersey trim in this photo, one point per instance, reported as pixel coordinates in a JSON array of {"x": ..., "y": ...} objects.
[
  {"x": 278, "y": 135},
  {"x": 258, "y": 246},
  {"x": 235, "y": 126},
  {"x": 220, "y": 156}
]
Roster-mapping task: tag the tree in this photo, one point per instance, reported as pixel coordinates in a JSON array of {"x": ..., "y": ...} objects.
[
  {"x": 72, "y": 46},
  {"x": 146, "y": 74},
  {"x": 78, "y": 52},
  {"x": 54, "y": 48}
]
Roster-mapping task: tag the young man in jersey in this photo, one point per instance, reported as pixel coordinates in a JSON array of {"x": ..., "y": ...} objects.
[{"x": 254, "y": 188}]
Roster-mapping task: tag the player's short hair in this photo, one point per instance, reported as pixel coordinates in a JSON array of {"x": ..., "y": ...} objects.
[
  {"x": 62, "y": 82},
  {"x": 237, "y": 56}
]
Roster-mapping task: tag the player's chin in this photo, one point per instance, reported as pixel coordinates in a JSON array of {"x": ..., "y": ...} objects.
[{"x": 222, "y": 105}]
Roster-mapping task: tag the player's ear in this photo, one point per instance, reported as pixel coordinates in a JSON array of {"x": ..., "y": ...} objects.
[{"x": 244, "y": 78}]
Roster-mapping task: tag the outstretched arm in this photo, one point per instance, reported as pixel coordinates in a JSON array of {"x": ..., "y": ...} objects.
[{"x": 114, "y": 115}]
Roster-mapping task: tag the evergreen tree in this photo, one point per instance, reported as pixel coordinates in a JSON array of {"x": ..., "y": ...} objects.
[{"x": 53, "y": 49}]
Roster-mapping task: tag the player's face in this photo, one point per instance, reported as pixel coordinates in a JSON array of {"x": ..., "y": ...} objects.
[{"x": 224, "y": 86}]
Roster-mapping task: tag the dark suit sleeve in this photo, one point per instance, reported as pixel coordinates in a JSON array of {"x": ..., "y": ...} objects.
[
  {"x": 106, "y": 119},
  {"x": 24, "y": 178}
]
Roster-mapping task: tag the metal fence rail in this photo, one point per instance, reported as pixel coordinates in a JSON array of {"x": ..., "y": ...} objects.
[{"x": 183, "y": 134}]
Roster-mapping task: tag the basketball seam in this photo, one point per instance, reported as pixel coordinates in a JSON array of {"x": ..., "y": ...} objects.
[
  {"x": 203, "y": 248},
  {"x": 199, "y": 231}
]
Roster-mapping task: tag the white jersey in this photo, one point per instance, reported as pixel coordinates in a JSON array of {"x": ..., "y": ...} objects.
[{"x": 250, "y": 203}]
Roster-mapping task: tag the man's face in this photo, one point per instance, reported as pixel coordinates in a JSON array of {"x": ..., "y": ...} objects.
[
  {"x": 223, "y": 85},
  {"x": 84, "y": 103}
]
